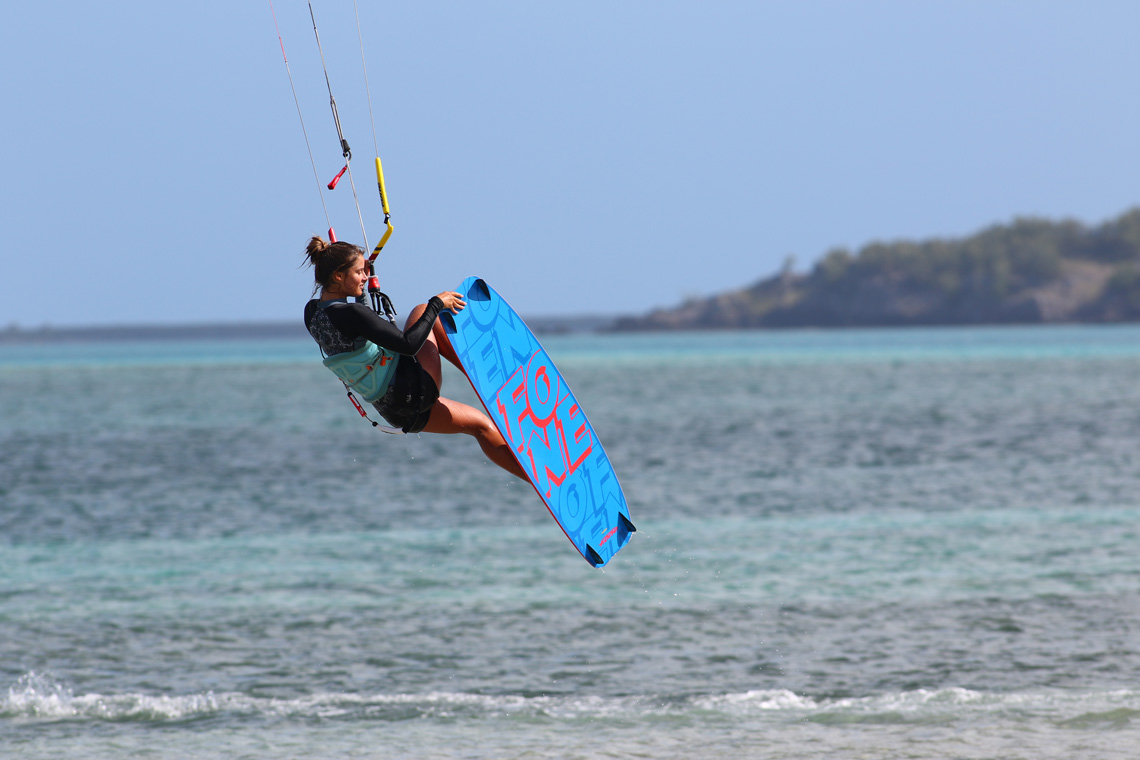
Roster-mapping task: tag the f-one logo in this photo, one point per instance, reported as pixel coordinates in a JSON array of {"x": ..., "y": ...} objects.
[{"x": 543, "y": 423}]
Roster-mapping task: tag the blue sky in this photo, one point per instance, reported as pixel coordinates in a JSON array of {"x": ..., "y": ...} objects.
[{"x": 588, "y": 157}]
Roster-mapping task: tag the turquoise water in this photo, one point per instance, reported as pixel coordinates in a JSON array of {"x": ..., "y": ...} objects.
[{"x": 876, "y": 543}]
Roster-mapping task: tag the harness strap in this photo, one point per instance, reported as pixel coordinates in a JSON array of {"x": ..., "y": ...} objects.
[
  {"x": 356, "y": 403},
  {"x": 364, "y": 414}
]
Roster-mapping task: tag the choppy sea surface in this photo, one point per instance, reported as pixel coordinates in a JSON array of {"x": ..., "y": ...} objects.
[{"x": 918, "y": 543}]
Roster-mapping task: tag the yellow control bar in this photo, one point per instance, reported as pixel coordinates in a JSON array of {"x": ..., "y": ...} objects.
[
  {"x": 380, "y": 246},
  {"x": 383, "y": 191}
]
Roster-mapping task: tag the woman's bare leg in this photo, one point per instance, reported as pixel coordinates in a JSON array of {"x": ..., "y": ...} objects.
[
  {"x": 449, "y": 417},
  {"x": 437, "y": 345}
]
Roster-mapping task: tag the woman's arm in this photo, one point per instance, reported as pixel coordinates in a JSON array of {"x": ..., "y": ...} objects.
[{"x": 356, "y": 320}]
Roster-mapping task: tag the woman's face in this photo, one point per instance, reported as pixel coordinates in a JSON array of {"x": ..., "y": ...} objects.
[{"x": 350, "y": 282}]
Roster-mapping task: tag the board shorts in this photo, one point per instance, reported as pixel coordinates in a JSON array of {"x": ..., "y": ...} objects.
[{"x": 408, "y": 401}]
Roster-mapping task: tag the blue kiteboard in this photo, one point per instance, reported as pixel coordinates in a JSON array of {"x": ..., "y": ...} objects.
[{"x": 548, "y": 432}]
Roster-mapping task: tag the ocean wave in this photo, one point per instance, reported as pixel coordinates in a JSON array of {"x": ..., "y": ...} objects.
[
  {"x": 1111, "y": 709},
  {"x": 42, "y": 696},
  {"x": 38, "y": 696}
]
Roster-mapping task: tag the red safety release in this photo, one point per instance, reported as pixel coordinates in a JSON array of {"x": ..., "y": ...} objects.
[{"x": 332, "y": 185}]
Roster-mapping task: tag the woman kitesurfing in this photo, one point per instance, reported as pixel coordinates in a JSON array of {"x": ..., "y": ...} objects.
[{"x": 398, "y": 371}]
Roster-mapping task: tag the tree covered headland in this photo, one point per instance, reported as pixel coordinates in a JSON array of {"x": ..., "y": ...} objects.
[{"x": 1030, "y": 271}]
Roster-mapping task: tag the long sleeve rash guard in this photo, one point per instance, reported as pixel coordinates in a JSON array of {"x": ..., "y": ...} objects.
[{"x": 341, "y": 326}]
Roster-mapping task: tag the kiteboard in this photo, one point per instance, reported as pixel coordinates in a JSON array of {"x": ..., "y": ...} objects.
[{"x": 534, "y": 409}]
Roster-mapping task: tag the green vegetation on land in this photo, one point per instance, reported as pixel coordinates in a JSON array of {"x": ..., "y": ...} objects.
[{"x": 1029, "y": 271}]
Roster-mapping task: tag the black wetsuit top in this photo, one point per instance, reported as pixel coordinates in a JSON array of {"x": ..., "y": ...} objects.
[{"x": 344, "y": 326}]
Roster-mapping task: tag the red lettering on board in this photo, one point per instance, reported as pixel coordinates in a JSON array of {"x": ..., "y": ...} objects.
[
  {"x": 549, "y": 433},
  {"x": 511, "y": 403}
]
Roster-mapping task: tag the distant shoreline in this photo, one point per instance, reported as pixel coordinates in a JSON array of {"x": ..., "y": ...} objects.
[
  {"x": 236, "y": 331},
  {"x": 17, "y": 335},
  {"x": 1031, "y": 271}
]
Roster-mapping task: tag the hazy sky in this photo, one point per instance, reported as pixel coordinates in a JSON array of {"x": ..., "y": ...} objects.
[{"x": 586, "y": 157}]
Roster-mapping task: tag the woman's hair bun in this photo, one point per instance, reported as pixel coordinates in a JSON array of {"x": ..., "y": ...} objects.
[{"x": 315, "y": 249}]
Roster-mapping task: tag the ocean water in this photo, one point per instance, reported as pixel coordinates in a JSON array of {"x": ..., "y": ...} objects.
[{"x": 852, "y": 544}]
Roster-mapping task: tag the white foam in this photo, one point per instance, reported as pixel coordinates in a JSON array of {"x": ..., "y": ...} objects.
[
  {"x": 923, "y": 705},
  {"x": 776, "y": 699},
  {"x": 38, "y": 696},
  {"x": 41, "y": 695}
]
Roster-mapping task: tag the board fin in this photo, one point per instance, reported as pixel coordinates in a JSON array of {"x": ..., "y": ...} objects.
[
  {"x": 479, "y": 290},
  {"x": 448, "y": 320},
  {"x": 593, "y": 557},
  {"x": 625, "y": 524}
]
